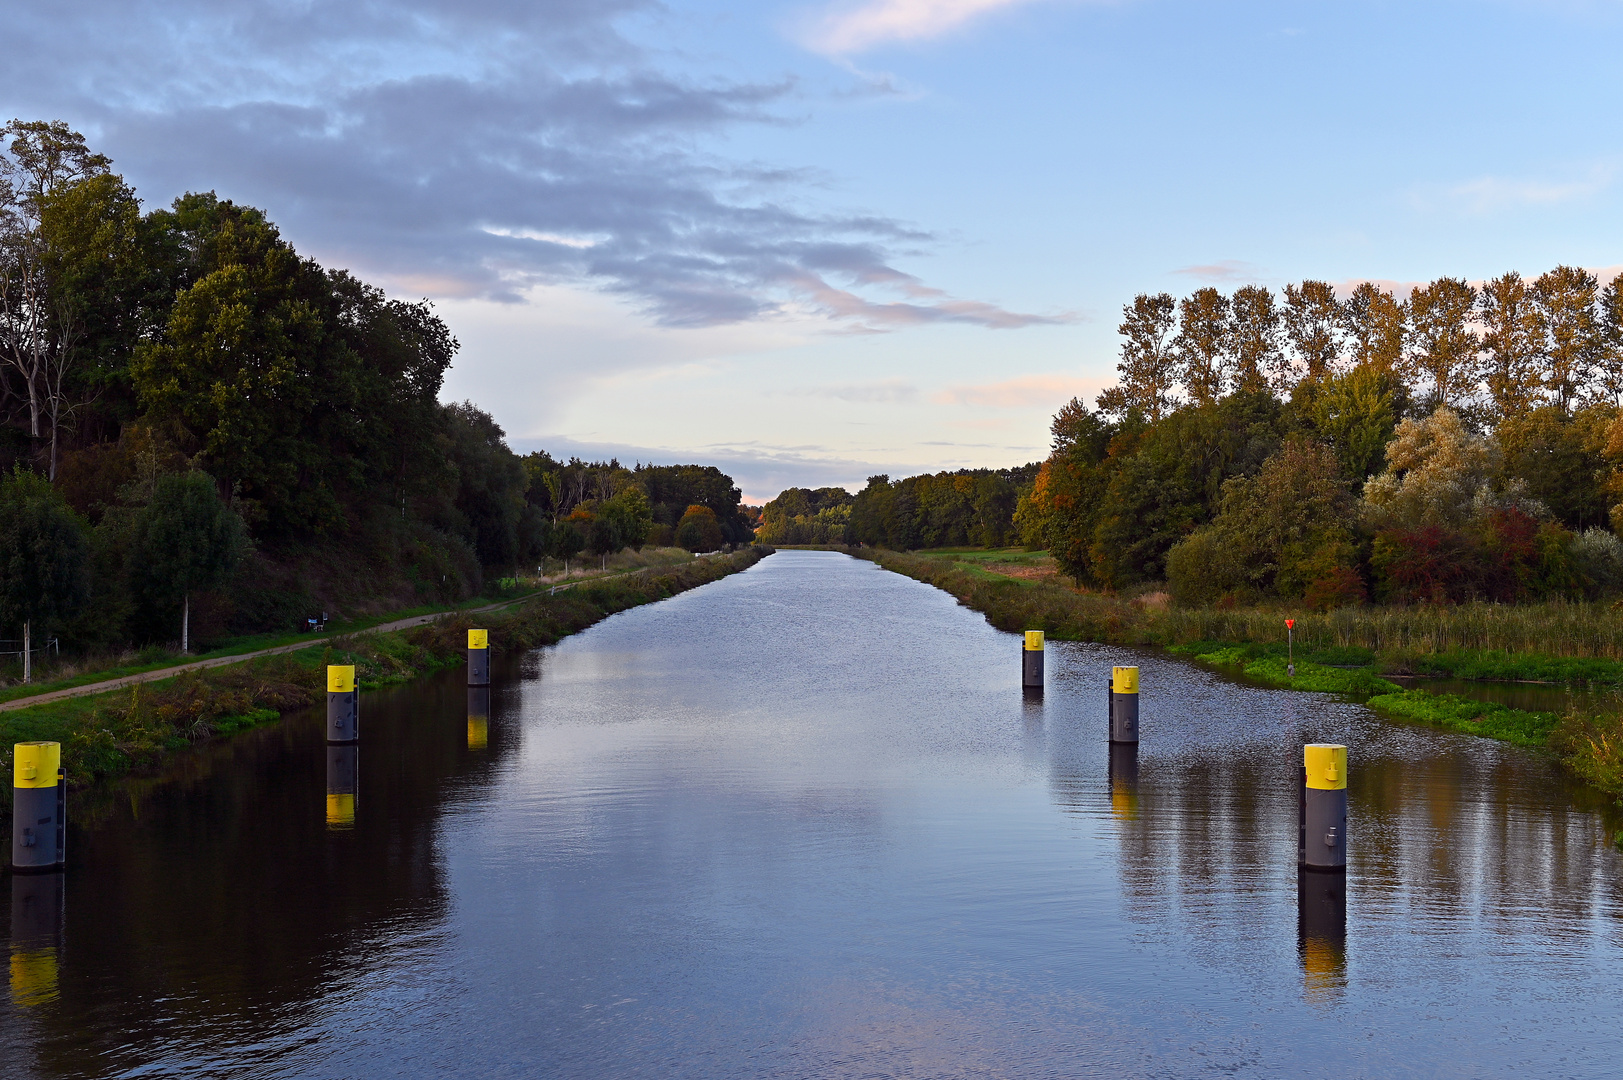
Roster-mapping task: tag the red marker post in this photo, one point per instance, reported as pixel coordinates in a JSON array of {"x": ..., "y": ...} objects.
[{"x": 1290, "y": 647}]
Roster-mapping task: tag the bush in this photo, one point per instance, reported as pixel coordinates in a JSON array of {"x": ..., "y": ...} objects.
[{"x": 1597, "y": 560}]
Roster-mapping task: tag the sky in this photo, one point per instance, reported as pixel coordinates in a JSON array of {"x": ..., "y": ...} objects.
[{"x": 813, "y": 241}]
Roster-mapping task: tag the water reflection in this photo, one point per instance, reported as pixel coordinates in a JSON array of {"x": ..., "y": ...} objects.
[
  {"x": 478, "y": 717},
  {"x": 1321, "y": 933},
  {"x": 1124, "y": 781},
  {"x": 343, "y": 784},
  {"x": 36, "y": 936}
]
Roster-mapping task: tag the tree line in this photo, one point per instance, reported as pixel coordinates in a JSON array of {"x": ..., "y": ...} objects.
[
  {"x": 1453, "y": 443},
  {"x": 966, "y": 508},
  {"x": 205, "y": 432}
]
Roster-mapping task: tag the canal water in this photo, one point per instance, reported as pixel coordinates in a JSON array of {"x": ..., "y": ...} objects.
[{"x": 801, "y": 823}]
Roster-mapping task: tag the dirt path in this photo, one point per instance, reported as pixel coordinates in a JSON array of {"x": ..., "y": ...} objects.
[{"x": 220, "y": 661}]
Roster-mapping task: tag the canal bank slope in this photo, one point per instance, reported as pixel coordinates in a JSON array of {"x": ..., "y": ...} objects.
[
  {"x": 135, "y": 728},
  {"x": 1327, "y": 659}
]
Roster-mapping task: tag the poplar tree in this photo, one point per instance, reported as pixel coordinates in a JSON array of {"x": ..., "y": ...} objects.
[
  {"x": 1512, "y": 337},
  {"x": 1573, "y": 337},
  {"x": 1148, "y": 368},
  {"x": 1375, "y": 322},
  {"x": 187, "y": 540},
  {"x": 1609, "y": 376},
  {"x": 1442, "y": 346},
  {"x": 1202, "y": 343},
  {"x": 1253, "y": 339},
  {"x": 1313, "y": 325}
]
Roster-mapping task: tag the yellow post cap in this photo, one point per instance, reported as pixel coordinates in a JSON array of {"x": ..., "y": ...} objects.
[
  {"x": 1326, "y": 765},
  {"x": 1034, "y": 640},
  {"x": 340, "y": 678},
  {"x": 478, "y": 639},
  {"x": 1124, "y": 680},
  {"x": 36, "y": 764}
]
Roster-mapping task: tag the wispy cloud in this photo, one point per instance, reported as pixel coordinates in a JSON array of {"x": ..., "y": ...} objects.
[
  {"x": 1224, "y": 270},
  {"x": 472, "y": 148},
  {"x": 1490, "y": 194},
  {"x": 852, "y": 27},
  {"x": 888, "y": 392},
  {"x": 1025, "y": 391}
]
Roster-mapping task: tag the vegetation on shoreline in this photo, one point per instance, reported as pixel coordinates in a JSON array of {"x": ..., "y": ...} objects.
[{"x": 110, "y": 734}]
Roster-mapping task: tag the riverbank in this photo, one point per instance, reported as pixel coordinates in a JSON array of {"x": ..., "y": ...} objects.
[
  {"x": 134, "y": 729},
  {"x": 1344, "y": 651}
]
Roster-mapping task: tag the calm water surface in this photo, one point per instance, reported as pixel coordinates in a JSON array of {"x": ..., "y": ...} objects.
[{"x": 800, "y": 823}]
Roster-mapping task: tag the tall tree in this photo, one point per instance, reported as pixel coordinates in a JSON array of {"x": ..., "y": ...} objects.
[
  {"x": 186, "y": 541},
  {"x": 37, "y": 334},
  {"x": 1512, "y": 338},
  {"x": 1148, "y": 368},
  {"x": 1609, "y": 374},
  {"x": 1442, "y": 346},
  {"x": 1574, "y": 338},
  {"x": 44, "y": 555},
  {"x": 1313, "y": 325},
  {"x": 1375, "y": 322},
  {"x": 1202, "y": 343},
  {"x": 1254, "y": 352}
]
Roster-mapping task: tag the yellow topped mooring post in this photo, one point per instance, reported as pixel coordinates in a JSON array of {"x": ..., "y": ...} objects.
[
  {"x": 1321, "y": 816},
  {"x": 478, "y": 717},
  {"x": 343, "y": 784},
  {"x": 343, "y": 705},
  {"x": 1124, "y": 705},
  {"x": 478, "y": 658},
  {"x": 39, "y": 807},
  {"x": 1031, "y": 669}
]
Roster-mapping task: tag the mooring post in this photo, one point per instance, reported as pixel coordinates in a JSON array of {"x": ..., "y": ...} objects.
[
  {"x": 39, "y": 807},
  {"x": 478, "y": 658},
  {"x": 343, "y": 705},
  {"x": 1322, "y": 815},
  {"x": 1124, "y": 704},
  {"x": 1031, "y": 672},
  {"x": 478, "y": 717},
  {"x": 343, "y": 784}
]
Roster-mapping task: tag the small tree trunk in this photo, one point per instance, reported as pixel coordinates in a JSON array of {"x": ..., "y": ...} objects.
[
  {"x": 185, "y": 622},
  {"x": 28, "y": 653}
]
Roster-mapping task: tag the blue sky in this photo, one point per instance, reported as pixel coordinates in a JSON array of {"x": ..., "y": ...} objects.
[{"x": 813, "y": 241}]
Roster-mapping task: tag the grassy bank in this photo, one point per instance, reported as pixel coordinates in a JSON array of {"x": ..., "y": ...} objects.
[
  {"x": 110, "y": 734},
  {"x": 1344, "y": 651}
]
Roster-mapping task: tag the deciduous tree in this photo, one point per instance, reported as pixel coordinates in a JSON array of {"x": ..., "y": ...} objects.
[
  {"x": 1202, "y": 343},
  {"x": 1442, "y": 346}
]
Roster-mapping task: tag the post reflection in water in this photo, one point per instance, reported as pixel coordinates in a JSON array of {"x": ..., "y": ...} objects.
[
  {"x": 1321, "y": 933},
  {"x": 343, "y": 785},
  {"x": 478, "y": 717},
  {"x": 36, "y": 936},
  {"x": 1124, "y": 781}
]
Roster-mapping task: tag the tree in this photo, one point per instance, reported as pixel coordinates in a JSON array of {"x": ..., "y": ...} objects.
[
  {"x": 1574, "y": 338},
  {"x": 1442, "y": 352},
  {"x": 43, "y": 557},
  {"x": 1148, "y": 369},
  {"x": 38, "y": 330},
  {"x": 1355, "y": 414},
  {"x": 1609, "y": 373},
  {"x": 1376, "y": 324},
  {"x": 1313, "y": 325},
  {"x": 630, "y": 515},
  {"x": 1512, "y": 337},
  {"x": 186, "y": 540},
  {"x": 1435, "y": 471},
  {"x": 699, "y": 530},
  {"x": 1254, "y": 355},
  {"x": 1202, "y": 343}
]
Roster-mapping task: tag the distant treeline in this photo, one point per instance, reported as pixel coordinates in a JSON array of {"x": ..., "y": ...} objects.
[
  {"x": 1454, "y": 443},
  {"x": 967, "y": 508},
  {"x": 203, "y": 428}
]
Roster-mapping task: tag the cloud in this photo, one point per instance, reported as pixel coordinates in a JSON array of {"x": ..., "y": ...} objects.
[
  {"x": 853, "y": 27},
  {"x": 471, "y": 148},
  {"x": 1224, "y": 270},
  {"x": 888, "y": 392},
  {"x": 1026, "y": 391},
  {"x": 1490, "y": 194}
]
